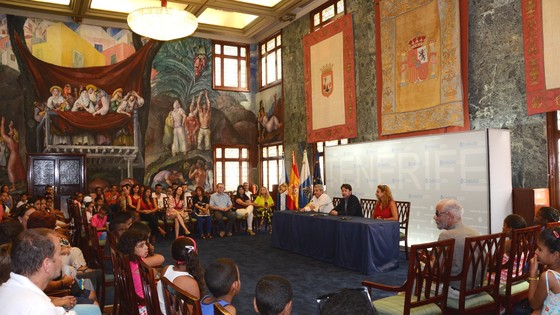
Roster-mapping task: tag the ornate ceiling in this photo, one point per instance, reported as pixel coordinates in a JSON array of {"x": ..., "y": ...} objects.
[{"x": 246, "y": 21}]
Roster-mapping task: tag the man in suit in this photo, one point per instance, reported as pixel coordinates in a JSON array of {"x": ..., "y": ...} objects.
[{"x": 349, "y": 205}]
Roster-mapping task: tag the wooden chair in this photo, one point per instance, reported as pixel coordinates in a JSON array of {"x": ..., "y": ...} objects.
[
  {"x": 516, "y": 288},
  {"x": 478, "y": 284},
  {"x": 336, "y": 201},
  {"x": 79, "y": 233},
  {"x": 427, "y": 284},
  {"x": 367, "y": 207},
  {"x": 220, "y": 310},
  {"x": 127, "y": 298},
  {"x": 403, "y": 209},
  {"x": 105, "y": 280},
  {"x": 552, "y": 224},
  {"x": 149, "y": 279},
  {"x": 180, "y": 302}
]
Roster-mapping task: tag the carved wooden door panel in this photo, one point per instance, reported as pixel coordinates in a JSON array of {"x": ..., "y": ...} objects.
[{"x": 65, "y": 172}]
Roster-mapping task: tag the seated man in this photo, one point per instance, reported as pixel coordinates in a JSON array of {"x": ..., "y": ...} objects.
[
  {"x": 221, "y": 204},
  {"x": 35, "y": 261},
  {"x": 273, "y": 296},
  {"x": 320, "y": 202},
  {"x": 349, "y": 205},
  {"x": 449, "y": 217}
]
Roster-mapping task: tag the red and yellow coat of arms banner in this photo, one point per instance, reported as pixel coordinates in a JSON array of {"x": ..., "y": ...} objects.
[
  {"x": 542, "y": 60},
  {"x": 329, "y": 82},
  {"x": 421, "y": 75}
]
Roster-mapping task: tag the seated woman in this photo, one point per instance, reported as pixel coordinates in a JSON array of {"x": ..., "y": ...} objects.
[
  {"x": 202, "y": 212},
  {"x": 186, "y": 273},
  {"x": 264, "y": 204},
  {"x": 385, "y": 207},
  {"x": 244, "y": 208},
  {"x": 147, "y": 211},
  {"x": 177, "y": 210}
]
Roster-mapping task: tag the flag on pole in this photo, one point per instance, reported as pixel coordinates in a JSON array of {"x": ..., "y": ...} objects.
[
  {"x": 305, "y": 187},
  {"x": 293, "y": 186},
  {"x": 317, "y": 179},
  {"x": 282, "y": 186}
]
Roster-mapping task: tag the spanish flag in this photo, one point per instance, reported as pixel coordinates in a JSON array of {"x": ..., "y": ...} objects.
[{"x": 293, "y": 188}]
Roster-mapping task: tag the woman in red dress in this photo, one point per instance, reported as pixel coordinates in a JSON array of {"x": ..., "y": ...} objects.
[{"x": 385, "y": 207}]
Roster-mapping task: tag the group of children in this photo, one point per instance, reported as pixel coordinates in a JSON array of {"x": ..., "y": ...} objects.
[
  {"x": 273, "y": 294},
  {"x": 544, "y": 290}
]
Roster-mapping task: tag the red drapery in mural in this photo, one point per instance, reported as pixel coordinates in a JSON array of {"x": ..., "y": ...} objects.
[
  {"x": 72, "y": 122},
  {"x": 126, "y": 74}
]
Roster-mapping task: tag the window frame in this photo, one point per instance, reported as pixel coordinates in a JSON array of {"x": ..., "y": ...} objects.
[
  {"x": 321, "y": 155},
  {"x": 223, "y": 160},
  {"x": 264, "y": 67},
  {"x": 553, "y": 137},
  {"x": 319, "y": 10},
  {"x": 222, "y": 56},
  {"x": 280, "y": 160}
]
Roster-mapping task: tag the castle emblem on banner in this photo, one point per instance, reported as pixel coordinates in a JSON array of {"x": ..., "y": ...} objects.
[
  {"x": 419, "y": 63},
  {"x": 327, "y": 79}
]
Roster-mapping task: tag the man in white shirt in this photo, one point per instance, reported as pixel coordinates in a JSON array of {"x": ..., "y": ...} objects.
[
  {"x": 320, "y": 202},
  {"x": 159, "y": 197},
  {"x": 35, "y": 261}
]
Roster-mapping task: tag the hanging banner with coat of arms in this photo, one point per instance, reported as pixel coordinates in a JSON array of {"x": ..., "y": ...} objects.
[
  {"x": 542, "y": 58},
  {"x": 421, "y": 75},
  {"x": 329, "y": 82}
]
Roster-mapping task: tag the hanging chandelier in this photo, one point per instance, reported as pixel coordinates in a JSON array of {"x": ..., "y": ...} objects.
[{"x": 162, "y": 23}]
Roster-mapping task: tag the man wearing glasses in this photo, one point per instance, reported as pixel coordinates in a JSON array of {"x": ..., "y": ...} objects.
[{"x": 448, "y": 217}]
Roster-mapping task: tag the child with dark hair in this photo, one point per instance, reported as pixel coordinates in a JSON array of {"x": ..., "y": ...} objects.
[
  {"x": 186, "y": 273},
  {"x": 546, "y": 215},
  {"x": 273, "y": 296},
  {"x": 222, "y": 280},
  {"x": 99, "y": 220},
  {"x": 134, "y": 244},
  {"x": 120, "y": 223},
  {"x": 511, "y": 222},
  {"x": 544, "y": 291}
]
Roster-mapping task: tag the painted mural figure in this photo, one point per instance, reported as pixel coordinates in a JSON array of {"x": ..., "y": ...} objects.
[
  {"x": 204, "y": 114},
  {"x": 192, "y": 125},
  {"x": 116, "y": 100},
  {"x": 3, "y": 154},
  {"x": 39, "y": 111},
  {"x": 269, "y": 124},
  {"x": 102, "y": 103},
  {"x": 67, "y": 94},
  {"x": 56, "y": 101},
  {"x": 84, "y": 103},
  {"x": 209, "y": 184},
  {"x": 197, "y": 173},
  {"x": 131, "y": 102},
  {"x": 16, "y": 171},
  {"x": 178, "y": 116}
]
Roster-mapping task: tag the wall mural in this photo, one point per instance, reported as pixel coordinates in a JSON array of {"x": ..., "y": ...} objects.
[
  {"x": 185, "y": 116},
  {"x": 270, "y": 115}
]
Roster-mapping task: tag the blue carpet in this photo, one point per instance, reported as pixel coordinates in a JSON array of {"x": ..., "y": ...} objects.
[{"x": 309, "y": 277}]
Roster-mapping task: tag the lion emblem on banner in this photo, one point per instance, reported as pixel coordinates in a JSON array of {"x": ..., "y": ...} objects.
[
  {"x": 327, "y": 80},
  {"x": 419, "y": 62}
]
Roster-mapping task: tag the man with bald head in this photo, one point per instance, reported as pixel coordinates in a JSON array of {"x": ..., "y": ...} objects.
[{"x": 449, "y": 217}]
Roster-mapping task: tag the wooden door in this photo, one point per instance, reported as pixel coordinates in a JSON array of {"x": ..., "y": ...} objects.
[{"x": 65, "y": 172}]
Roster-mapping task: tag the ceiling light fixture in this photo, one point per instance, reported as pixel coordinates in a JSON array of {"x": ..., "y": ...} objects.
[{"x": 162, "y": 23}]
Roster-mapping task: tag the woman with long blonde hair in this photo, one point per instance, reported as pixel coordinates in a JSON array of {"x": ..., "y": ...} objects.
[{"x": 385, "y": 207}]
